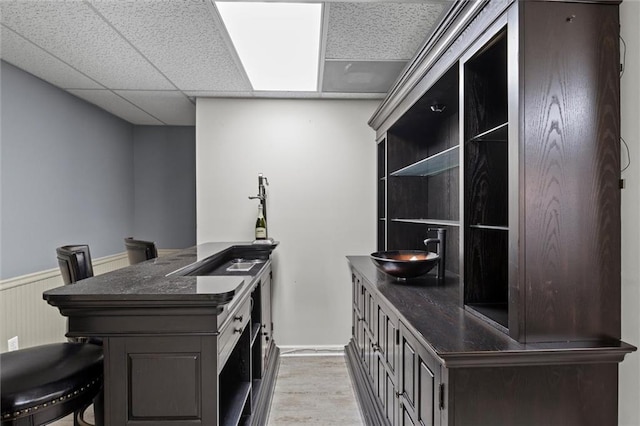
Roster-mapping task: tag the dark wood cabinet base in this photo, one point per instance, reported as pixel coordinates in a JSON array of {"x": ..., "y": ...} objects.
[
  {"x": 180, "y": 350},
  {"x": 417, "y": 358},
  {"x": 371, "y": 411}
]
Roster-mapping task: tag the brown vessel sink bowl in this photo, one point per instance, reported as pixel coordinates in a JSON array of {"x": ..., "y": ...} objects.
[{"x": 405, "y": 263}]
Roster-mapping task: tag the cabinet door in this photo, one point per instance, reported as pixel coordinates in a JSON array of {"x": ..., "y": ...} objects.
[
  {"x": 419, "y": 382},
  {"x": 355, "y": 290},
  {"x": 387, "y": 335},
  {"x": 267, "y": 322},
  {"x": 386, "y": 391},
  {"x": 406, "y": 419},
  {"x": 365, "y": 301},
  {"x": 369, "y": 357},
  {"x": 358, "y": 309},
  {"x": 387, "y": 350}
]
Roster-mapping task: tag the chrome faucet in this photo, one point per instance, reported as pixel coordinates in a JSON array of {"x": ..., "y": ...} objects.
[
  {"x": 441, "y": 241},
  {"x": 262, "y": 194}
]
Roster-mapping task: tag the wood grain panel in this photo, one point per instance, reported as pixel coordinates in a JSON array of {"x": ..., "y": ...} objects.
[
  {"x": 571, "y": 395},
  {"x": 486, "y": 88},
  {"x": 486, "y": 183},
  {"x": 571, "y": 154},
  {"x": 486, "y": 268},
  {"x": 409, "y": 197}
]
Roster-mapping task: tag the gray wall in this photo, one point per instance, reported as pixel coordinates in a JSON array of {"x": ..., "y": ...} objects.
[
  {"x": 72, "y": 173},
  {"x": 165, "y": 185},
  {"x": 66, "y": 173}
]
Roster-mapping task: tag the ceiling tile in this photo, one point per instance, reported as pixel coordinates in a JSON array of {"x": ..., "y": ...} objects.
[
  {"x": 360, "y": 76},
  {"x": 116, "y": 105},
  {"x": 26, "y": 56},
  {"x": 182, "y": 38},
  {"x": 73, "y": 32},
  {"x": 171, "y": 107},
  {"x": 379, "y": 31}
]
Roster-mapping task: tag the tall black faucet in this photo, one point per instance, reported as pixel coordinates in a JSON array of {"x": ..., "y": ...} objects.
[
  {"x": 262, "y": 195},
  {"x": 441, "y": 250}
]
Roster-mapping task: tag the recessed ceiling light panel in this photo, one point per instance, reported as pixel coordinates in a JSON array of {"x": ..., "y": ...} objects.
[{"x": 278, "y": 43}]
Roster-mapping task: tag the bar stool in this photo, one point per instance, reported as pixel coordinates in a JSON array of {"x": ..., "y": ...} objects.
[
  {"x": 74, "y": 262},
  {"x": 139, "y": 251},
  {"x": 75, "y": 265},
  {"x": 47, "y": 382}
]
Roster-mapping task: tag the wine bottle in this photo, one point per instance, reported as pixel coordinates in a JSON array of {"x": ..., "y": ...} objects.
[{"x": 261, "y": 225}]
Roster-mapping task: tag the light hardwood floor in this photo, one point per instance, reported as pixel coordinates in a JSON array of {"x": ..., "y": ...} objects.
[
  {"x": 314, "y": 390},
  {"x": 310, "y": 390}
]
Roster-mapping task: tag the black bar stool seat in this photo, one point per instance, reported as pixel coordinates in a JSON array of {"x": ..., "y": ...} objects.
[{"x": 47, "y": 382}]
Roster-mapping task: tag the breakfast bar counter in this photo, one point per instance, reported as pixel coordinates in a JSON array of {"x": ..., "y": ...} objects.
[{"x": 187, "y": 338}]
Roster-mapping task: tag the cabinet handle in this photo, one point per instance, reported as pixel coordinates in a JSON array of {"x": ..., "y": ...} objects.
[
  {"x": 238, "y": 318},
  {"x": 237, "y": 330},
  {"x": 376, "y": 347}
]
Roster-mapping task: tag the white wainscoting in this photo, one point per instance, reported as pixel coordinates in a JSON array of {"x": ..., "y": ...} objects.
[{"x": 24, "y": 313}]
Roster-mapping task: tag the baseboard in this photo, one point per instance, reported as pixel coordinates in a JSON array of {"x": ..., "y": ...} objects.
[{"x": 311, "y": 350}]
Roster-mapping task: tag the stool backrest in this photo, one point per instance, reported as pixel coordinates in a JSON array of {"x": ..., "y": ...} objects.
[
  {"x": 139, "y": 251},
  {"x": 75, "y": 263}
]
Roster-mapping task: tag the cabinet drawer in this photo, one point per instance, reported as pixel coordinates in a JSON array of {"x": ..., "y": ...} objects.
[{"x": 232, "y": 331}]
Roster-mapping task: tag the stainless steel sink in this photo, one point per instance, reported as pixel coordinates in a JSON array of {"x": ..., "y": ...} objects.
[
  {"x": 241, "y": 266},
  {"x": 238, "y": 259}
]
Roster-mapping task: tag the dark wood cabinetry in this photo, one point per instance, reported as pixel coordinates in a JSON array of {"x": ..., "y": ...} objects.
[
  {"x": 447, "y": 367},
  {"x": 186, "y": 341},
  {"x": 510, "y": 141},
  {"x": 504, "y": 130},
  {"x": 422, "y": 394}
]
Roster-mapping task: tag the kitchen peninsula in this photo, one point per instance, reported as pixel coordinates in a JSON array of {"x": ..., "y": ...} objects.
[{"x": 187, "y": 337}]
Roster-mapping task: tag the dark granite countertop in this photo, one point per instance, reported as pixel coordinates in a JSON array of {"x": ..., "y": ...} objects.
[
  {"x": 149, "y": 282},
  {"x": 434, "y": 314}
]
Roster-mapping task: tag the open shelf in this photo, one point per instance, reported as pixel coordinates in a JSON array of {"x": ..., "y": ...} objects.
[
  {"x": 235, "y": 383},
  {"x": 429, "y": 221},
  {"x": 489, "y": 227},
  {"x": 232, "y": 404},
  {"x": 496, "y": 134},
  {"x": 438, "y": 163},
  {"x": 496, "y": 313}
]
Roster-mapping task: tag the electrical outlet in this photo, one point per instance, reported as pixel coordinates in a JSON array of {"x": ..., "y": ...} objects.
[{"x": 13, "y": 343}]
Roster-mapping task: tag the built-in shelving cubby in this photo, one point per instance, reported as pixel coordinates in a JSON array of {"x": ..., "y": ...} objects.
[
  {"x": 422, "y": 164},
  {"x": 486, "y": 181},
  {"x": 432, "y": 165},
  {"x": 235, "y": 383},
  {"x": 504, "y": 131},
  {"x": 382, "y": 194}
]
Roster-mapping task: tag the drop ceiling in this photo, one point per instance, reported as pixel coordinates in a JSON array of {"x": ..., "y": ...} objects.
[{"x": 146, "y": 61}]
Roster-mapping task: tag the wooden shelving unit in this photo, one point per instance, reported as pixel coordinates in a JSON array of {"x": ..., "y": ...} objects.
[{"x": 505, "y": 131}]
